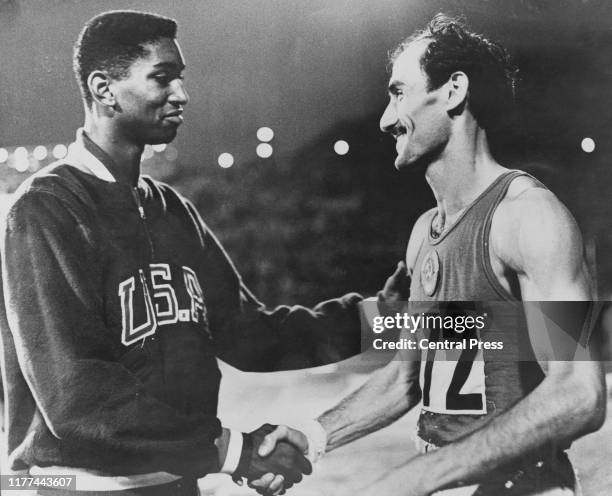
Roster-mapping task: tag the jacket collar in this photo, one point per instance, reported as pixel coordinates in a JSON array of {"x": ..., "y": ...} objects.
[{"x": 80, "y": 156}]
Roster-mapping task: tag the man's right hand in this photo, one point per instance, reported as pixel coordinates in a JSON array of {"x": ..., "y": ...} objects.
[
  {"x": 281, "y": 458},
  {"x": 397, "y": 286}
]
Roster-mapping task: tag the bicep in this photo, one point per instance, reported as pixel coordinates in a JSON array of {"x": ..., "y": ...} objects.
[
  {"x": 553, "y": 278},
  {"x": 550, "y": 256}
]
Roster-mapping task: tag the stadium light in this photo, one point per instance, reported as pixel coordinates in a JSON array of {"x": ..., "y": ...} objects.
[
  {"x": 22, "y": 162},
  {"x": 265, "y": 134},
  {"x": 587, "y": 145},
  {"x": 22, "y": 165},
  {"x": 40, "y": 152},
  {"x": 20, "y": 153},
  {"x": 60, "y": 151},
  {"x": 264, "y": 150},
  {"x": 341, "y": 147},
  {"x": 225, "y": 160},
  {"x": 171, "y": 153}
]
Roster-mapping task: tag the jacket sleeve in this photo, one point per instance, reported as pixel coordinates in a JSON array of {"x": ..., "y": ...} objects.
[
  {"x": 96, "y": 412},
  {"x": 252, "y": 337}
]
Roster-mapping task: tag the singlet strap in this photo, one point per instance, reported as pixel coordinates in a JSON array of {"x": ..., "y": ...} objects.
[{"x": 500, "y": 194}]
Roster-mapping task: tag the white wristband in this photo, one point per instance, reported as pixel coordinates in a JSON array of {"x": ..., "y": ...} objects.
[
  {"x": 234, "y": 450},
  {"x": 317, "y": 439}
]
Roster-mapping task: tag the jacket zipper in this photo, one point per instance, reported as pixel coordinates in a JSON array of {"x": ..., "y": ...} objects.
[
  {"x": 144, "y": 220},
  {"x": 143, "y": 217}
]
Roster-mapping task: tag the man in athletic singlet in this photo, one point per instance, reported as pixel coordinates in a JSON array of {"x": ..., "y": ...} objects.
[{"x": 496, "y": 235}]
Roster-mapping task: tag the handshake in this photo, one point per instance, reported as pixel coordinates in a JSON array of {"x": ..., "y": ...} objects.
[{"x": 274, "y": 458}]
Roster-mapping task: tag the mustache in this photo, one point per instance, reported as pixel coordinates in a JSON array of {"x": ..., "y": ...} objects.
[{"x": 398, "y": 130}]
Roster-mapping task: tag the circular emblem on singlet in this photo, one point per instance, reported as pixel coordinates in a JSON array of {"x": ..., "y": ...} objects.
[{"x": 430, "y": 270}]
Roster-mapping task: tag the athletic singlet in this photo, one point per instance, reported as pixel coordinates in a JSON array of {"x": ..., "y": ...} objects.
[{"x": 461, "y": 394}]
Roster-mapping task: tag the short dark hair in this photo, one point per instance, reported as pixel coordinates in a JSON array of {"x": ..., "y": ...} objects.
[
  {"x": 452, "y": 47},
  {"x": 113, "y": 40}
]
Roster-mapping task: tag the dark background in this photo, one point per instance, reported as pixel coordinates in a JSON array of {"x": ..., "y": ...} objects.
[{"x": 308, "y": 224}]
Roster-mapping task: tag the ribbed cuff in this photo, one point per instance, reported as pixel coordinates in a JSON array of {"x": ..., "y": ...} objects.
[{"x": 234, "y": 450}]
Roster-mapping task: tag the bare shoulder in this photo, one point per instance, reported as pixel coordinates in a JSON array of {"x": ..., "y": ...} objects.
[
  {"x": 417, "y": 236},
  {"x": 533, "y": 233},
  {"x": 529, "y": 209}
]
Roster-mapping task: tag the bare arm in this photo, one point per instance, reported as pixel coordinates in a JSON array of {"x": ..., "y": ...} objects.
[{"x": 386, "y": 396}]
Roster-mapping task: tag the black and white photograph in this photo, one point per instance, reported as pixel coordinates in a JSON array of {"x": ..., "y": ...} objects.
[{"x": 314, "y": 248}]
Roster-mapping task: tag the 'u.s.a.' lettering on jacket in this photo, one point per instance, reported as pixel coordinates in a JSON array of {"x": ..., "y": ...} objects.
[{"x": 160, "y": 300}]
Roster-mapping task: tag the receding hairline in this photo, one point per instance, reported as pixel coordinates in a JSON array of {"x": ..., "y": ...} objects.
[
  {"x": 401, "y": 50},
  {"x": 414, "y": 40}
]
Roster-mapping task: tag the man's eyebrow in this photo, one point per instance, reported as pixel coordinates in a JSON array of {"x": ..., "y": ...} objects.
[{"x": 169, "y": 65}]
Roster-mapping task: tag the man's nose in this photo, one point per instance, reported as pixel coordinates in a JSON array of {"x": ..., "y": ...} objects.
[
  {"x": 389, "y": 118},
  {"x": 179, "y": 93}
]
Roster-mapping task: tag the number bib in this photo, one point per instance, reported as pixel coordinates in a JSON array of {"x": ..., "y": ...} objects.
[{"x": 453, "y": 381}]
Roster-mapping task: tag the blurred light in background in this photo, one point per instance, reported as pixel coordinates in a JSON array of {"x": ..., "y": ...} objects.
[
  {"x": 159, "y": 148},
  {"x": 264, "y": 150},
  {"x": 588, "y": 145},
  {"x": 60, "y": 151},
  {"x": 4, "y": 155},
  {"x": 265, "y": 134},
  {"x": 40, "y": 152},
  {"x": 20, "y": 155},
  {"x": 341, "y": 147},
  {"x": 225, "y": 160},
  {"x": 22, "y": 165},
  {"x": 171, "y": 153}
]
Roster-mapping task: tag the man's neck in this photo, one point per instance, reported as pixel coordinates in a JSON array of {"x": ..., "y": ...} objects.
[
  {"x": 463, "y": 170},
  {"x": 125, "y": 156}
]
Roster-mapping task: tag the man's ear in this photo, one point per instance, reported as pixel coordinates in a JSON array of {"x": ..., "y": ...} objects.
[
  {"x": 458, "y": 85},
  {"x": 99, "y": 84}
]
